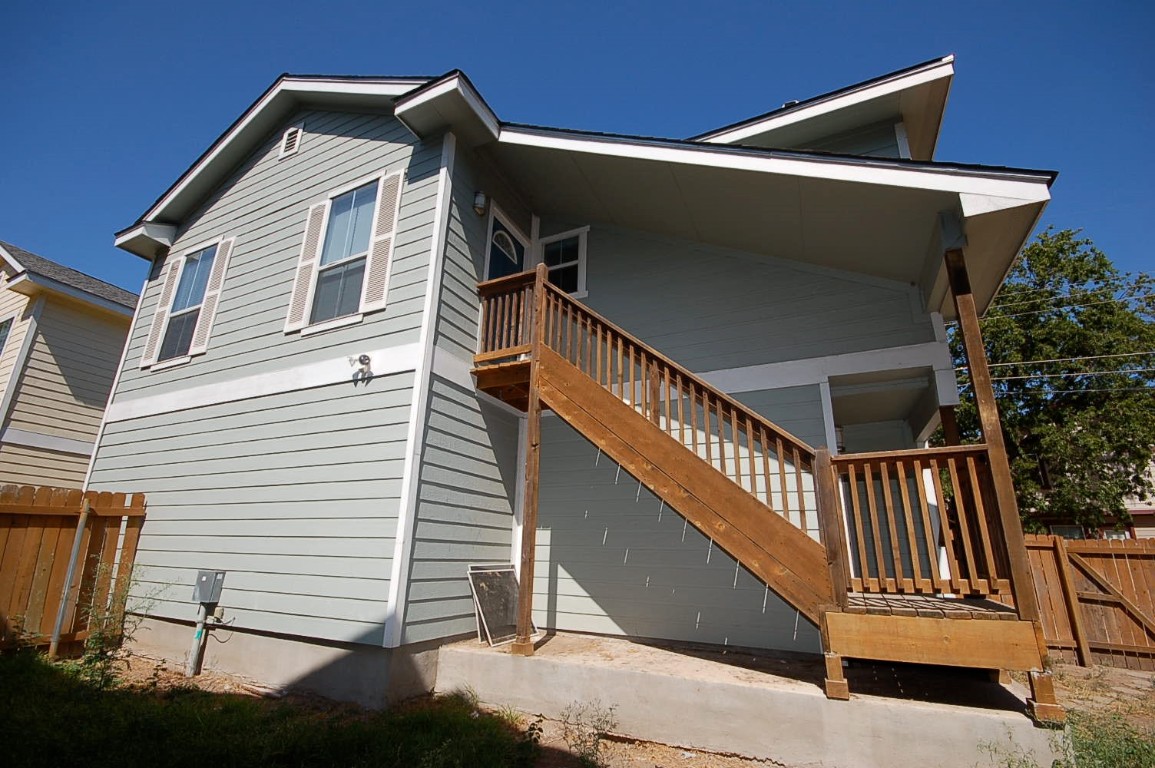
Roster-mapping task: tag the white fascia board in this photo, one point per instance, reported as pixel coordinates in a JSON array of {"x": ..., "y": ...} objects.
[
  {"x": 12, "y": 262},
  {"x": 453, "y": 85},
  {"x": 158, "y": 234},
  {"x": 286, "y": 87},
  {"x": 943, "y": 69},
  {"x": 1022, "y": 188},
  {"x": 30, "y": 284}
]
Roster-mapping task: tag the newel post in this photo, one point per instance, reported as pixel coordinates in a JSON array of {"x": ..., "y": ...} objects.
[
  {"x": 830, "y": 518},
  {"x": 523, "y": 643}
]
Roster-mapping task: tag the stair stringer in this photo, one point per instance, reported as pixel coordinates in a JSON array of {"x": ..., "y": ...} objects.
[{"x": 784, "y": 557}]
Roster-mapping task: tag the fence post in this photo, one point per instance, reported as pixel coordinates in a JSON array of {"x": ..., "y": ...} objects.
[
  {"x": 54, "y": 645},
  {"x": 1071, "y": 600}
]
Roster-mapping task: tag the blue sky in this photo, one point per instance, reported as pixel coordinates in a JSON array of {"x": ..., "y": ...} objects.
[{"x": 106, "y": 104}]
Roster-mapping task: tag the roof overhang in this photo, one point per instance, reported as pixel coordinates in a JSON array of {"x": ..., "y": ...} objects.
[
  {"x": 31, "y": 284},
  {"x": 917, "y": 96},
  {"x": 288, "y": 94},
  {"x": 450, "y": 102},
  {"x": 870, "y": 216}
]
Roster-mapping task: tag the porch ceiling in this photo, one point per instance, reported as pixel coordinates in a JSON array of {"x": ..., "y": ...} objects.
[{"x": 877, "y": 229}]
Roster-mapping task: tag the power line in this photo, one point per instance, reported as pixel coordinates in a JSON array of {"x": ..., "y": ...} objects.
[
  {"x": 1065, "y": 359},
  {"x": 967, "y": 385},
  {"x": 1073, "y": 374},
  {"x": 1078, "y": 306},
  {"x": 1053, "y": 297}
]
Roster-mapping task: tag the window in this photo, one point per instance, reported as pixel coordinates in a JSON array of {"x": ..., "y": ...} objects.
[
  {"x": 190, "y": 288},
  {"x": 506, "y": 249},
  {"x": 343, "y": 254},
  {"x": 5, "y": 329},
  {"x": 343, "y": 269},
  {"x": 565, "y": 257},
  {"x": 186, "y": 306}
]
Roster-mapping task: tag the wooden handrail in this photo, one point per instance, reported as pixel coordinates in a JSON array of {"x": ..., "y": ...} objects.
[
  {"x": 911, "y": 453},
  {"x": 687, "y": 374},
  {"x": 505, "y": 284}
]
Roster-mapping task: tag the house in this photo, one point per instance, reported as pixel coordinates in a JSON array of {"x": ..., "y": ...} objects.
[
  {"x": 1142, "y": 511},
  {"x": 61, "y": 336},
  {"x": 683, "y": 384}
]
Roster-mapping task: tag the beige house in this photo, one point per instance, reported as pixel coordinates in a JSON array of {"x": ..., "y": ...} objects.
[{"x": 61, "y": 336}]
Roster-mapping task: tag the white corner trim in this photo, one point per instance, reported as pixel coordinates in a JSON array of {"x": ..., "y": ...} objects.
[
  {"x": 419, "y": 407},
  {"x": 115, "y": 383},
  {"x": 31, "y": 439},
  {"x": 815, "y": 370},
  {"x": 385, "y": 361},
  {"x": 17, "y": 374},
  {"x": 902, "y": 139},
  {"x": 519, "y": 496},
  {"x": 943, "y": 68},
  {"x": 828, "y": 416}
]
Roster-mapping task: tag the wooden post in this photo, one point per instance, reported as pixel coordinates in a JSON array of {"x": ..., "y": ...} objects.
[
  {"x": 1043, "y": 704},
  {"x": 1071, "y": 601},
  {"x": 949, "y": 425},
  {"x": 523, "y": 642},
  {"x": 830, "y": 518}
]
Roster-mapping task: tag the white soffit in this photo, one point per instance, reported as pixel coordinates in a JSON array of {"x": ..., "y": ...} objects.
[
  {"x": 452, "y": 103},
  {"x": 916, "y": 95}
]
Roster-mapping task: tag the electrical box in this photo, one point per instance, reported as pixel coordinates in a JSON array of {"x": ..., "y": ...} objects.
[{"x": 208, "y": 587}]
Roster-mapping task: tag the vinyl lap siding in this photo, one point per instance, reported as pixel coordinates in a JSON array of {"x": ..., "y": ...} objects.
[
  {"x": 710, "y": 308},
  {"x": 24, "y": 465},
  {"x": 613, "y": 559},
  {"x": 468, "y": 481},
  {"x": 69, "y": 372},
  {"x": 264, "y": 206},
  {"x": 295, "y": 495}
]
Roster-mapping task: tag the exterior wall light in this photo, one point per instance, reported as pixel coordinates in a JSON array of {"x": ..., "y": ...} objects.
[{"x": 480, "y": 203}]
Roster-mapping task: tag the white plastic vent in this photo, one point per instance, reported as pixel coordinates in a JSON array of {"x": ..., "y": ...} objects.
[{"x": 291, "y": 141}]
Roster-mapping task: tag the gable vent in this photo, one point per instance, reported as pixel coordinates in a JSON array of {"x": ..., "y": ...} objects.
[{"x": 291, "y": 141}]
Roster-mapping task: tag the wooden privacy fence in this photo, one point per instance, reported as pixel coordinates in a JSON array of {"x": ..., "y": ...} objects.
[
  {"x": 1095, "y": 599},
  {"x": 65, "y": 557}
]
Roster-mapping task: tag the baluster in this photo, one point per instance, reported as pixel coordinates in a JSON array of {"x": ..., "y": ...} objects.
[
  {"x": 667, "y": 393},
  {"x": 801, "y": 489},
  {"x": 782, "y": 478},
  {"x": 750, "y": 448},
  {"x": 766, "y": 474},
  {"x": 884, "y": 579},
  {"x": 706, "y": 426},
  {"x": 869, "y": 583},
  {"x": 976, "y": 582},
  {"x": 900, "y": 579},
  {"x": 981, "y": 516},
  {"x": 920, "y": 584},
  {"x": 721, "y": 435},
  {"x": 958, "y": 584},
  {"x": 937, "y": 582},
  {"x": 693, "y": 393}
]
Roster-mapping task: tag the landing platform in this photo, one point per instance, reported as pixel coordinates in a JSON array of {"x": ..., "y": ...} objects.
[{"x": 758, "y": 704}]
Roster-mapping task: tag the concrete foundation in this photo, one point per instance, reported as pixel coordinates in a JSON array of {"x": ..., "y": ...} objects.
[
  {"x": 367, "y": 675},
  {"x": 687, "y": 699}
]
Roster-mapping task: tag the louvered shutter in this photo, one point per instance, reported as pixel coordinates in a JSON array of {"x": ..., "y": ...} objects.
[
  {"x": 200, "y": 339},
  {"x": 306, "y": 267},
  {"x": 381, "y": 248},
  {"x": 160, "y": 316}
]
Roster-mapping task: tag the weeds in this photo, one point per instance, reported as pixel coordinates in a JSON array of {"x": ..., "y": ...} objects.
[
  {"x": 1091, "y": 741},
  {"x": 583, "y": 728}
]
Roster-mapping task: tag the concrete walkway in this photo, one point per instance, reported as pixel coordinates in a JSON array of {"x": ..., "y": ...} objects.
[{"x": 761, "y": 706}]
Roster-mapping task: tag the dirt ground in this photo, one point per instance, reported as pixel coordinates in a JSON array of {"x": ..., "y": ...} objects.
[{"x": 1099, "y": 689}]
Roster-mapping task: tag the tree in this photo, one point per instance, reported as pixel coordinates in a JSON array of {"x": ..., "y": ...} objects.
[{"x": 1071, "y": 342}]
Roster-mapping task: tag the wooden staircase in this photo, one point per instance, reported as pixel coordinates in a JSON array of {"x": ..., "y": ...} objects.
[{"x": 858, "y": 544}]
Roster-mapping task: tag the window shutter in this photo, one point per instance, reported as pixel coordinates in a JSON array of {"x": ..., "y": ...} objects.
[
  {"x": 306, "y": 266},
  {"x": 160, "y": 316},
  {"x": 381, "y": 248},
  {"x": 200, "y": 339}
]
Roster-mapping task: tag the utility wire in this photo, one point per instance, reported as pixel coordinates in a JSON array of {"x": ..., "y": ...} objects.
[
  {"x": 1066, "y": 375},
  {"x": 1066, "y": 306},
  {"x": 1053, "y": 297},
  {"x": 1065, "y": 359}
]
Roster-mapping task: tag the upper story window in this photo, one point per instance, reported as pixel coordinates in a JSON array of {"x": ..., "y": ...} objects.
[
  {"x": 186, "y": 306},
  {"x": 190, "y": 288},
  {"x": 565, "y": 257},
  {"x": 5, "y": 329},
  {"x": 507, "y": 248},
  {"x": 343, "y": 269}
]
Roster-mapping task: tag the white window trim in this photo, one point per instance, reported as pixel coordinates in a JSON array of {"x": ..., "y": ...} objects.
[
  {"x": 495, "y": 212},
  {"x": 324, "y": 325},
  {"x": 582, "y": 234},
  {"x": 3, "y": 319},
  {"x": 299, "y": 127},
  {"x": 161, "y": 365}
]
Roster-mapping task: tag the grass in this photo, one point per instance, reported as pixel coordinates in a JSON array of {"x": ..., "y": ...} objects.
[
  {"x": 51, "y": 716},
  {"x": 1107, "y": 740}
]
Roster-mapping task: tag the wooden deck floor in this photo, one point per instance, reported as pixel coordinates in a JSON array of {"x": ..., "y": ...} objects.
[{"x": 930, "y": 607}]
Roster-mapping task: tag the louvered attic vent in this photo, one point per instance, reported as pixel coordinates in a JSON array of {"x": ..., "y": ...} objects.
[{"x": 291, "y": 141}]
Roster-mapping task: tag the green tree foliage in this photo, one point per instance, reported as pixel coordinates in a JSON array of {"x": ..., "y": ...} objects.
[{"x": 1071, "y": 341}]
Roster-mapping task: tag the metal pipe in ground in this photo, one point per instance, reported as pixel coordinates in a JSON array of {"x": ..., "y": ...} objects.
[
  {"x": 197, "y": 648},
  {"x": 54, "y": 645}
]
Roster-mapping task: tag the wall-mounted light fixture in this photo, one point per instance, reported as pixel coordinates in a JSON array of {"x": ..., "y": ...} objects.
[{"x": 480, "y": 203}]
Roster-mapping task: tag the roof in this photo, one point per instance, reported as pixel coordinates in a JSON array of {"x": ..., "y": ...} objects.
[{"x": 29, "y": 263}]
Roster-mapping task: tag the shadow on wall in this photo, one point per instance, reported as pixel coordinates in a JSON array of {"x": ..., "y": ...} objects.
[
  {"x": 613, "y": 558},
  {"x": 84, "y": 350}
]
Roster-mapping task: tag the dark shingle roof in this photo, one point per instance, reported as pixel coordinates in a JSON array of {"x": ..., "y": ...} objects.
[{"x": 38, "y": 265}]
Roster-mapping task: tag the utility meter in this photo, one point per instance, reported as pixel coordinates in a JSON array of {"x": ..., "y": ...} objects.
[{"x": 208, "y": 587}]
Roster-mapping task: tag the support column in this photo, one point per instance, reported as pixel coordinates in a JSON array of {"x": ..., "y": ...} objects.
[
  {"x": 523, "y": 642},
  {"x": 950, "y": 433},
  {"x": 1043, "y": 703}
]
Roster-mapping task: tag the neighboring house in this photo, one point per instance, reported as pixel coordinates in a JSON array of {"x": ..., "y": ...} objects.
[
  {"x": 61, "y": 336},
  {"x": 300, "y": 403},
  {"x": 1142, "y": 513}
]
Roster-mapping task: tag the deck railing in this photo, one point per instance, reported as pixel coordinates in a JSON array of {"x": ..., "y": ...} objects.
[{"x": 923, "y": 521}]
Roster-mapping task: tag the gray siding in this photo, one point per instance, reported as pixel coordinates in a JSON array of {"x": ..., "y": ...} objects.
[
  {"x": 295, "y": 495},
  {"x": 878, "y": 436},
  {"x": 710, "y": 308},
  {"x": 468, "y": 482},
  {"x": 613, "y": 559},
  {"x": 878, "y": 140},
  {"x": 264, "y": 206},
  {"x": 798, "y": 410}
]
